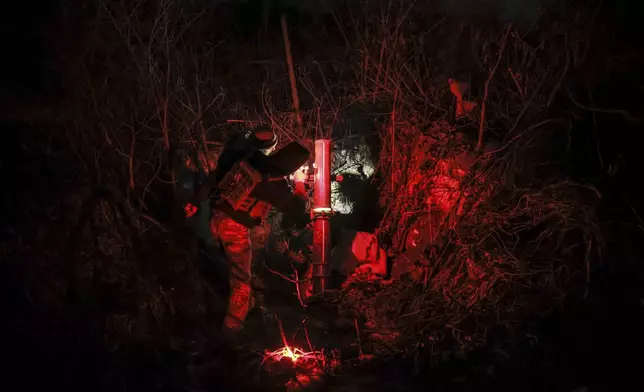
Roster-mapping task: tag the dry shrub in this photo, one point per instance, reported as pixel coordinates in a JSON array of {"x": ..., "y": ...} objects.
[
  {"x": 153, "y": 78},
  {"x": 515, "y": 241},
  {"x": 519, "y": 252},
  {"x": 119, "y": 270}
]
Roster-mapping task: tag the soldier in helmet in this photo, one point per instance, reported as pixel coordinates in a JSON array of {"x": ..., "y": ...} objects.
[{"x": 247, "y": 180}]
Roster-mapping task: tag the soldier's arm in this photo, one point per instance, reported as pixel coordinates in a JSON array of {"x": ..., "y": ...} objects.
[
  {"x": 278, "y": 193},
  {"x": 233, "y": 150}
]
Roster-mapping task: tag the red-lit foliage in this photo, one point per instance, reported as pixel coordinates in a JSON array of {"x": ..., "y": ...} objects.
[{"x": 479, "y": 238}]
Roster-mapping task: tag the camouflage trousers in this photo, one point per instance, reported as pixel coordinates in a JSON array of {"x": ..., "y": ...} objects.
[{"x": 240, "y": 245}]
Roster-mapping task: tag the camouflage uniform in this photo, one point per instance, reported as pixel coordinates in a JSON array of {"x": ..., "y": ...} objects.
[
  {"x": 240, "y": 241},
  {"x": 241, "y": 231},
  {"x": 218, "y": 230},
  {"x": 241, "y": 244}
]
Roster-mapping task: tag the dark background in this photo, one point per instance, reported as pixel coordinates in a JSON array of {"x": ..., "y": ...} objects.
[{"x": 596, "y": 342}]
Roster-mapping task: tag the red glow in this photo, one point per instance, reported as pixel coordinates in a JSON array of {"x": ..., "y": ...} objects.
[
  {"x": 190, "y": 210},
  {"x": 309, "y": 366},
  {"x": 294, "y": 354}
]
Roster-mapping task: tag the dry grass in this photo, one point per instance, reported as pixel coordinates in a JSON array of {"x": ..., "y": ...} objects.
[{"x": 516, "y": 242}]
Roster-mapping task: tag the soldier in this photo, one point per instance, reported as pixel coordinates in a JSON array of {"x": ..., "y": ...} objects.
[{"x": 244, "y": 184}]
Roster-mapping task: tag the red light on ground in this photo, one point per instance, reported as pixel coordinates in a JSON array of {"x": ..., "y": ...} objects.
[
  {"x": 339, "y": 178},
  {"x": 294, "y": 354}
]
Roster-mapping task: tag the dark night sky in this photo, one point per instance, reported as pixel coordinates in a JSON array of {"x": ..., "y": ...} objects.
[
  {"x": 27, "y": 66},
  {"x": 26, "y": 51},
  {"x": 24, "y": 42}
]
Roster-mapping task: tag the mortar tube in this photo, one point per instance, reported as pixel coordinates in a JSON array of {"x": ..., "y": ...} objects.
[{"x": 321, "y": 212}]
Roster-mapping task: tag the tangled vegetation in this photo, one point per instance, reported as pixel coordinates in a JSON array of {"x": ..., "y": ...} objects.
[{"x": 145, "y": 80}]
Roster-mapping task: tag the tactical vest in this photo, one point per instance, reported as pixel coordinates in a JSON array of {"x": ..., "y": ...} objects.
[
  {"x": 235, "y": 190},
  {"x": 247, "y": 188}
]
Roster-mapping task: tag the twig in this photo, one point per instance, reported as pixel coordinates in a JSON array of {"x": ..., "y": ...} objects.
[
  {"x": 479, "y": 144},
  {"x": 318, "y": 358},
  {"x": 291, "y": 76},
  {"x": 337, "y": 22},
  {"x": 597, "y": 147},
  {"x": 236, "y": 121},
  {"x": 166, "y": 136},
  {"x": 355, "y": 322},
  {"x": 527, "y": 104},
  {"x": 326, "y": 85},
  {"x": 203, "y": 130},
  {"x": 393, "y": 134},
  {"x": 377, "y": 80},
  {"x": 295, "y": 281},
  {"x": 131, "y": 160},
  {"x": 199, "y": 118},
  {"x": 297, "y": 287},
  {"x": 306, "y": 333},
  {"x": 282, "y": 335},
  {"x": 153, "y": 221},
  {"x": 600, "y": 110},
  {"x": 561, "y": 78},
  {"x": 639, "y": 218},
  {"x": 516, "y": 83},
  {"x": 587, "y": 259},
  {"x": 280, "y": 274},
  {"x": 164, "y": 117}
]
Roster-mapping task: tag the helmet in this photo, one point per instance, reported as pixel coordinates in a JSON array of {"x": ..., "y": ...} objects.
[{"x": 263, "y": 139}]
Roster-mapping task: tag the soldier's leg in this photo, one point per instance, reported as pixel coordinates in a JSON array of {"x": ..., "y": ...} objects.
[{"x": 235, "y": 239}]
